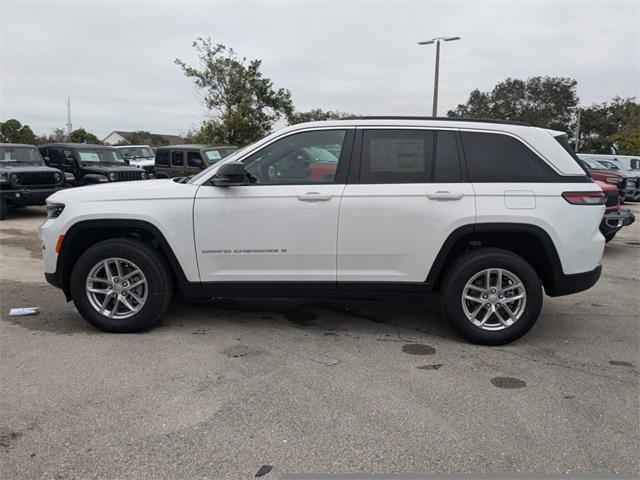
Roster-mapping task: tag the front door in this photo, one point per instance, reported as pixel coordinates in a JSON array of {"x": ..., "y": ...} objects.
[{"x": 282, "y": 225}]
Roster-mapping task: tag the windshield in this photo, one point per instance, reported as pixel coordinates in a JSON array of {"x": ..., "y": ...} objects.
[
  {"x": 609, "y": 165},
  {"x": 230, "y": 158},
  {"x": 99, "y": 155},
  {"x": 136, "y": 152},
  {"x": 29, "y": 155},
  {"x": 216, "y": 154}
]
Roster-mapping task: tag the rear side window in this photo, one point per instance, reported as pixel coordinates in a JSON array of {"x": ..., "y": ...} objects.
[
  {"x": 177, "y": 158},
  {"x": 162, "y": 158},
  {"x": 500, "y": 158},
  {"x": 447, "y": 165},
  {"x": 396, "y": 156}
]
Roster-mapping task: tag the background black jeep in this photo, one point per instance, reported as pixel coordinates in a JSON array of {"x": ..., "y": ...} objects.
[
  {"x": 90, "y": 164},
  {"x": 24, "y": 178}
]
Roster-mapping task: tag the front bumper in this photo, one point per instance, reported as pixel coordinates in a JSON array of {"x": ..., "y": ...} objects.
[
  {"x": 614, "y": 221},
  {"x": 27, "y": 196}
]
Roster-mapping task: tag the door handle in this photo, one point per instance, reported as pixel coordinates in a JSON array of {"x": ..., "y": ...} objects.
[
  {"x": 445, "y": 195},
  {"x": 314, "y": 197}
]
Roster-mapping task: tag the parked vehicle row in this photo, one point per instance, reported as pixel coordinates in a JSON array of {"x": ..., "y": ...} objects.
[
  {"x": 610, "y": 171},
  {"x": 489, "y": 214},
  {"x": 615, "y": 217}
]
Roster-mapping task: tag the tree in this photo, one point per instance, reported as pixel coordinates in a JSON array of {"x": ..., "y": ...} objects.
[
  {"x": 57, "y": 135},
  {"x": 547, "y": 102},
  {"x": 244, "y": 104},
  {"x": 316, "y": 114},
  {"x": 610, "y": 127},
  {"x": 142, "y": 137},
  {"x": 80, "y": 135},
  {"x": 12, "y": 131}
]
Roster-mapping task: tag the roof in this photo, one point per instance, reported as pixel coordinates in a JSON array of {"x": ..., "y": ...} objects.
[
  {"x": 16, "y": 145},
  {"x": 452, "y": 119},
  {"x": 194, "y": 146},
  {"x": 75, "y": 145},
  {"x": 172, "y": 139}
]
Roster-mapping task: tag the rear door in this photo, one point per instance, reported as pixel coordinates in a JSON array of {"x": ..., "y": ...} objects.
[
  {"x": 195, "y": 163},
  {"x": 404, "y": 197}
]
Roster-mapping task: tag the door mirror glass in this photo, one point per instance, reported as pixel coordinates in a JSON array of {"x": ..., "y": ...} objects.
[{"x": 231, "y": 174}]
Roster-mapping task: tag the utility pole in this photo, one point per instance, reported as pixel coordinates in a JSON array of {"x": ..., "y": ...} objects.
[
  {"x": 577, "y": 132},
  {"x": 437, "y": 41},
  {"x": 69, "y": 125}
]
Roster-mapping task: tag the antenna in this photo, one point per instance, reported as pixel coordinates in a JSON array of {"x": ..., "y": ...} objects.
[{"x": 69, "y": 125}]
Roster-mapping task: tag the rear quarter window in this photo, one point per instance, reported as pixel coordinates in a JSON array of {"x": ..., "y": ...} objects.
[{"x": 499, "y": 158}]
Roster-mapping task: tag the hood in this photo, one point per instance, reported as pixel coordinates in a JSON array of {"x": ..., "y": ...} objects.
[
  {"x": 106, "y": 169},
  {"x": 25, "y": 168},
  {"x": 118, "y": 191}
]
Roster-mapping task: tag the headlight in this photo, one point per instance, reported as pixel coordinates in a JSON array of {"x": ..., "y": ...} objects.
[
  {"x": 113, "y": 177},
  {"x": 54, "y": 210},
  {"x": 15, "y": 179},
  {"x": 614, "y": 180},
  {"x": 57, "y": 177},
  {"x": 143, "y": 175}
]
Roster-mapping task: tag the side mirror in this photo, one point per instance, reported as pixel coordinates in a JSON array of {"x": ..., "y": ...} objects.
[{"x": 229, "y": 175}]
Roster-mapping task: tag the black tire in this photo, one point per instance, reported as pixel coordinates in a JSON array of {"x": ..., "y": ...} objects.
[
  {"x": 4, "y": 209},
  {"x": 469, "y": 265},
  {"x": 155, "y": 269},
  {"x": 610, "y": 236}
]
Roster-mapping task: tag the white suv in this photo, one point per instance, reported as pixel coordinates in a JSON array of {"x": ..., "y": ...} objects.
[{"x": 486, "y": 213}]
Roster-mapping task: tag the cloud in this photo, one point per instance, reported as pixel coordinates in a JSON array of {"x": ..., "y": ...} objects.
[{"x": 115, "y": 60}]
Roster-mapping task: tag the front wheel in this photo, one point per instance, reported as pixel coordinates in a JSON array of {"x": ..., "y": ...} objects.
[
  {"x": 491, "y": 296},
  {"x": 121, "y": 285}
]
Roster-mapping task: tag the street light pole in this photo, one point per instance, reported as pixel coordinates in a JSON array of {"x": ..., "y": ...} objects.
[
  {"x": 435, "y": 81},
  {"x": 437, "y": 41}
]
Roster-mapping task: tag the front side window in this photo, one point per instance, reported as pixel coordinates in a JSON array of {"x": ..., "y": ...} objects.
[
  {"x": 301, "y": 158},
  {"x": 162, "y": 158},
  {"x": 396, "y": 156},
  {"x": 194, "y": 159},
  {"x": 501, "y": 158}
]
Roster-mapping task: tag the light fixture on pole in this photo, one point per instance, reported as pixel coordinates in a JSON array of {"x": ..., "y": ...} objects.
[{"x": 437, "y": 41}]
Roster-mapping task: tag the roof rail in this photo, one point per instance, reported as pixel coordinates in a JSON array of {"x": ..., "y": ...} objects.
[{"x": 448, "y": 119}]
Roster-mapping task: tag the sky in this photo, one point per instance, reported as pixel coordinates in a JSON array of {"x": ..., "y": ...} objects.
[{"x": 115, "y": 59}]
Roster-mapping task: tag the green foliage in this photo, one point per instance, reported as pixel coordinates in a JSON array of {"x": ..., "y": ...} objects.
[
  {"x": 315, "y": 115},
  {"x": 611, "y": 127},
  {"x": 245, "y": 105},
  {"x": 80, "y": 135},
  {"x": 547, "y": 102},
  {"x": 143, "y": 137},
  {"x": 12, "y": 131}
]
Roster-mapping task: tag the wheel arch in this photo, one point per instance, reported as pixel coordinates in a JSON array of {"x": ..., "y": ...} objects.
[
  {"x": 529, "y": 241},
  {"x": 86, "y": 233}
]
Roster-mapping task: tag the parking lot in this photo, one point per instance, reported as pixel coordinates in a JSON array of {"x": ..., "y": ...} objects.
[{"x": 310, "y": 386}]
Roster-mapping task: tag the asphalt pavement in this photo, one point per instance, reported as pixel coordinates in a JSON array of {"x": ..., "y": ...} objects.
[{"x": 223, "y": 387}]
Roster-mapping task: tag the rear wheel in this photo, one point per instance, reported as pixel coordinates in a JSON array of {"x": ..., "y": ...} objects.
[
  {"x": 121, "y": 285},
  {"x": 491, "y": 296}
]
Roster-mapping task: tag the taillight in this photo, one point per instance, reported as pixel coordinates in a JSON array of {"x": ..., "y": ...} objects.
[{"x": 584, "y": 198}]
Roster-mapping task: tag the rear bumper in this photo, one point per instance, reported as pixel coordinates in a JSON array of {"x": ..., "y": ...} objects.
[
  {"x": 574, "y": 283},
  {"x": 614, "y": 221}
]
